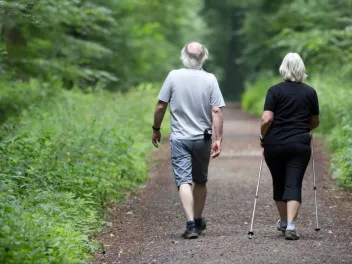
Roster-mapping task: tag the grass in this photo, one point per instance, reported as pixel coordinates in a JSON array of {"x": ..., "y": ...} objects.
[{"x": 63, "y": 157}]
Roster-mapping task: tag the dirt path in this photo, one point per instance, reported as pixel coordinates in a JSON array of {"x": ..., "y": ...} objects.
[{"x": 147, "y": 228}]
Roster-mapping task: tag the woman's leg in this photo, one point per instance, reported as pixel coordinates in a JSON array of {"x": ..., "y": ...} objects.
[
  {"x": 292, "y": 211},
  {"x": 282, "y": 208},
  {"x": 276, "y": 163},
  {"x": 295, "y": 169}
]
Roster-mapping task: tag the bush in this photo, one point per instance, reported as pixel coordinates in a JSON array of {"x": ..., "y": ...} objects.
[
  {"x": 61, "y": 160},
  {"x": 16, "y": 96},
  {"x": 336, "y": 124},
  {"x": 335, "y": 117},
  {"x": 254, "y": 96}
]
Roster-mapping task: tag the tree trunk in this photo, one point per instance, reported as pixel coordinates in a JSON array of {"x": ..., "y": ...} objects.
[
  {"x": 15, "y": 43},
  {"x": 234, "y": 75}
]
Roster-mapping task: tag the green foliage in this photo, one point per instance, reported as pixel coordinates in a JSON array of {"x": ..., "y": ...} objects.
[
  {"x": 319, "y": 30},
  {"x": 15, "y": 96},
  {"x": 335, "y": 117},
  {"x": 225, "y": 45},
  {"x": 65, "y": 154},
  {"x": 112, "y": 43},
  {"x": 61, "y": 160},
  {"x": 254, "y": 97}
]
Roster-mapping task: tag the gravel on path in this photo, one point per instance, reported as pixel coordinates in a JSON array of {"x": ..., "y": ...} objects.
[{"x": 146, "y": 228}]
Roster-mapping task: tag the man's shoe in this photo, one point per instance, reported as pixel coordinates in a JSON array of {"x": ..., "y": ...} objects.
[
  {"x": 291, "y": 235},
  {"x": 201, "y": 225},
  {"x": 190, "y": 233},
  {"x": 280, "y": 228}
]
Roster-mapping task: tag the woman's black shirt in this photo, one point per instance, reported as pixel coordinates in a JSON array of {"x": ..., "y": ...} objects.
[{"x": 293, "y": 104}]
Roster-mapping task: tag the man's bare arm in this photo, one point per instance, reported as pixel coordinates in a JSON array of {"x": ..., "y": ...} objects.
[
  {"x": 217, "y": 122},
  {"x": 159, "y": 113},
  {"x": 218, "y": 126}
]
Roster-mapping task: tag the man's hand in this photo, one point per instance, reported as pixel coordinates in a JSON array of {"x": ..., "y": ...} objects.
[
  {"x": 156, "y": 137},
  {"x": 158, "y": 119},
  {"x": 215, "y": 149}
]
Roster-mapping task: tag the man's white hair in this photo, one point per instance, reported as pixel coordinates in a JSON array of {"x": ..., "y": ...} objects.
[
  {"x": 194, "y": 59},
  {"x": 292, "y": 68}
]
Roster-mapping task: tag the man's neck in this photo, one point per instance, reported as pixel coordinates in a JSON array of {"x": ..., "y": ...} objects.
[{"x": 199, "y": 69}]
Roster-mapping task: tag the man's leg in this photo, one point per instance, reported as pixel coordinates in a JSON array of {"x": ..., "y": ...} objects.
[
  {"x": 199, "y": 194},
  {"x": 200, "y": 163},
  {"x": 186, "y": 197},
  {"x": 182, "y": 166}
]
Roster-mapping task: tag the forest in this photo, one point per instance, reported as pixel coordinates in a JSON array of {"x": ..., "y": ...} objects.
[{"x": 78, "y": 85}]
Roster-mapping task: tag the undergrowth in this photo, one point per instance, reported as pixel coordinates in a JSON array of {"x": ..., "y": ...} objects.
[{"x": 62, "y": 157}]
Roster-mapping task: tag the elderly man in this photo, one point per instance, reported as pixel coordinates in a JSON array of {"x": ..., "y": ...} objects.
[{"x": 196, "y": 106}]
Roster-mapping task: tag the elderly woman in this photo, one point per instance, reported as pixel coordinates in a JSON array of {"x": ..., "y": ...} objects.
[{"x": 291, "y": 111}]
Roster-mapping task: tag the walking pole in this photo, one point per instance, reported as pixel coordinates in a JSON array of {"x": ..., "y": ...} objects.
[
  {"x": 315, "y": 188},
  {"x": 250, "y": 232}
]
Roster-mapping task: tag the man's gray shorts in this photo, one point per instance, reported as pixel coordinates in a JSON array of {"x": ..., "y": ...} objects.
[{"x": 190, "y": 160}]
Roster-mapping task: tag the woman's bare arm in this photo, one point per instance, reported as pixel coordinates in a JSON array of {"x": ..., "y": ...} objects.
[
  {"x": 267, "y": 119},
  {"x": 314, "y": 121}
]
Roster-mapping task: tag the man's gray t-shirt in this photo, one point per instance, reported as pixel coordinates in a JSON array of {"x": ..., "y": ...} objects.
[{"x": 191, "y": 94}]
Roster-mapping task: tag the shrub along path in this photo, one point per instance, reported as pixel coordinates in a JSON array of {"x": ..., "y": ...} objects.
[{"x": 147, "y": 228}]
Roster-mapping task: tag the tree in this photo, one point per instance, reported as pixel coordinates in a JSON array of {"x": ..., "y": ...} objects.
[
  {"x": 86, "y": 42},
  {"x": 225, "y": 43}
]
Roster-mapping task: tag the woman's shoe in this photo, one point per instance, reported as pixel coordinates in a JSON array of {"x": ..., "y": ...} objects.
[
  {"x": 291, "y": 235},
  {"x": 280, "y": 228}
]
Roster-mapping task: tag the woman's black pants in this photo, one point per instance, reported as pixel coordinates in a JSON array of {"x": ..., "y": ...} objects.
[{"x": 287, "y": 164}]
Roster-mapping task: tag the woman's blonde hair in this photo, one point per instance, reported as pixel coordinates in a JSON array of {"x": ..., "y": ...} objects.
[{"x": 292, "y": 68}]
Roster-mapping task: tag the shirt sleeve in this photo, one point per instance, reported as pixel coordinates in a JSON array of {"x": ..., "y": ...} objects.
[
  {"x": 216, "y": 99},
  {"x": 269, "y": 104},
  {"x": 315, "y": 106},
  {"x": 166, "y": 90}
]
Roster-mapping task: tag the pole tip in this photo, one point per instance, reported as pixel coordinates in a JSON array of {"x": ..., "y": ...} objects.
[
  {"x": 250, "y": 234},
  {"x": 317, "y": 229}
]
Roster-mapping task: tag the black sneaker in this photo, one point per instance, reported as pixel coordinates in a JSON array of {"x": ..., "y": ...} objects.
[
  {"x": 190, "y": 233},
  {"x": 201, "y": 225}
]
